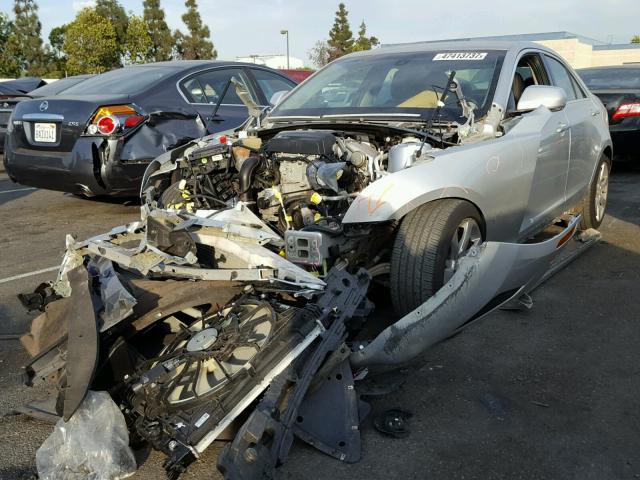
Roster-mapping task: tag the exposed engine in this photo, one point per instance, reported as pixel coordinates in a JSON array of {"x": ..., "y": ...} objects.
[{"x": 300, "y": 182}]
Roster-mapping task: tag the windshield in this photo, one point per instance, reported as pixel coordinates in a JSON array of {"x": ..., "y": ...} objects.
[
  {"x": 611, "y": 78},
  {"x": 130, "y": 80},
  {"x": 396, "y": 84}
]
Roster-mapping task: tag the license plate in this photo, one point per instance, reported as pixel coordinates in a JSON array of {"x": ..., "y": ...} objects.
[{"x": 45, "y": 132}]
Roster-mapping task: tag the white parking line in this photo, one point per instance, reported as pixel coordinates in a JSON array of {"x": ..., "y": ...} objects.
[
  {"x": 28, "y": 274},
  {"x": 18, "y": 190}
]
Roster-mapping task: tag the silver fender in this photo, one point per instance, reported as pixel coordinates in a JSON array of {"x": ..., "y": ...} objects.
[{"x": 492, "y": 274}]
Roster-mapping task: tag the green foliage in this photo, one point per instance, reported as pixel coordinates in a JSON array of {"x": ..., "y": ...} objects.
[
  {"x": 90, "y": 43},
  {"x": 340, "y": 37},
  {"x": 57, "y": 60},
  {"x": 56, "y": 38},
  {"x": 635, "y": 39},
  {"x": 24, "y": 52},
  {"x": 112, "y": 11},
  {"x": 8, "y": 67},
  {"x": 341, "y": 41},
  {"x": 363, "y": 42},
  {"x": 158, "y": 31},
  {"x": 195, "y": 45},
  {"x": 137, "y": 44}
]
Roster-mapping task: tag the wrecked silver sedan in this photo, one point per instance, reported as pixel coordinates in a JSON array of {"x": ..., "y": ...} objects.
[{"x": 249, "y": 303}]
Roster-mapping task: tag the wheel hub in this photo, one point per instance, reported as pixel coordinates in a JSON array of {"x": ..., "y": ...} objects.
[{"x": 203, "y": 340}]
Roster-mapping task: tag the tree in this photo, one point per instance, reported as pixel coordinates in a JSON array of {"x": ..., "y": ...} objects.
[
  {"x": 195, "y": 45},
  {"x": 57, "y": 58},
  {"x": 137, "y": 43},
  {"x": 635, "y": 39},
  {"x": 115, "y": 13},
  {"x": 8, "y": 66},
  {"x": 24, "y": 45},
  {"x": 363, "y": 42},
  {"x": 158, "y": 31},
  {"x": 319, "y": 54},
  {"x": 340, "y": 37},
  {"x": 89, "y": 43}
]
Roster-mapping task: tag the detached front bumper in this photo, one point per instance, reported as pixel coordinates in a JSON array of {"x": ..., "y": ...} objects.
[{"x": 92, "y": 168}]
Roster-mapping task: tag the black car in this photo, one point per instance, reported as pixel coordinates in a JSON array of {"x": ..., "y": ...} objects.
[
  {"x": 97, "y": 137},
  {"x": 619, "y": 90},
  {"x": 15, "y": 91},
  {"x": 12, "y": 92}
]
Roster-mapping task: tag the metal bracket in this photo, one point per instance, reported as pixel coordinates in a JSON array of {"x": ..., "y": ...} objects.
[
  {"x": 329, "y": 417},
  {"x": 266, "y": 437}
]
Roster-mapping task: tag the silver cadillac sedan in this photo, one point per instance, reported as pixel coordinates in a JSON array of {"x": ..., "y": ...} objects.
[{"x": 443, "y": 179}]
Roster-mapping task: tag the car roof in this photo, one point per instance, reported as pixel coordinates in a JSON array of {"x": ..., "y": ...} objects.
[
  {"x": 458, "y": 44},
  {"x": 188, "y": 65}
]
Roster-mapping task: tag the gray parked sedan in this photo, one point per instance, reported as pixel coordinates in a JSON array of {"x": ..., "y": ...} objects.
[{"x": 446, "y": 177}]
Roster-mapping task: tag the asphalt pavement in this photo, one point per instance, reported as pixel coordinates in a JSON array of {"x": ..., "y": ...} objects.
[{"x": 550, "y": 393}]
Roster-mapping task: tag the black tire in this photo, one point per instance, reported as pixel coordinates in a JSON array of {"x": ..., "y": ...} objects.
[
  {"x": 420, "y": 250},
  {"x": 591, "y": 217}
]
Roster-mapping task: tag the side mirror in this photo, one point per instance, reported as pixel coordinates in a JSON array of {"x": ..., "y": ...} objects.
[
  {"x": 554, "y": 98},
  {"x": 276, "y": 97}
]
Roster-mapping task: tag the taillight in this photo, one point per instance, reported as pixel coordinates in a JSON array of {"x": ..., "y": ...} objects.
[
  {"x": 630, "y": 109},
  {"x": 111, "y": 119},
  {"x": 107, "y": 125}
]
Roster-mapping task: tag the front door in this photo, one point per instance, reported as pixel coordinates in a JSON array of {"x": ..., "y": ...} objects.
[{"x": 549, "y": 176}]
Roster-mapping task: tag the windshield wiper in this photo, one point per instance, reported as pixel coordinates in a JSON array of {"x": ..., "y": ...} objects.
[{"x": 436, "y": 112}]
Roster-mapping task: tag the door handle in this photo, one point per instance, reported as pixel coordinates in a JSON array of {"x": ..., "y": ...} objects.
[
  {"x": 595, "y": 113},
  {"x": 562, "y": 127}
]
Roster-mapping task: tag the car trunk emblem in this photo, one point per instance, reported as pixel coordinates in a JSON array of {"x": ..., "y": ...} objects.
[{"x": 44, "y": 106}]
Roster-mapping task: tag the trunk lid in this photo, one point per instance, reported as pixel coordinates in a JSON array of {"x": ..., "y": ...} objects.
[{"x": 55, "y": 123}]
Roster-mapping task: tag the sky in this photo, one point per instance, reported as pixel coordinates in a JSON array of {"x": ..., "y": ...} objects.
[{"x": 252, "y": 27}]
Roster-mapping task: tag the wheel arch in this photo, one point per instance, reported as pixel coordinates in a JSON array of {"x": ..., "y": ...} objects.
[{"x": 483, "y": 224}]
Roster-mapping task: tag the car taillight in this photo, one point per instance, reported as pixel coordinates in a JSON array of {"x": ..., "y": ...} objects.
[
  {"x": 630, "y": 109},
  {"x": 112, "y": 119},
  {"x": 107, "y": 125}
]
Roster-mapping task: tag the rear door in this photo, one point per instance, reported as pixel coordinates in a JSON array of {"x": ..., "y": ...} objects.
[
  {"x": 203, "y": 90},
  {"x": 581, "y": 113}
]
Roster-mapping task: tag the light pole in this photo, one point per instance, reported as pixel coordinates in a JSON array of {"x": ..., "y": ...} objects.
[{"x": 286, "y": 32}]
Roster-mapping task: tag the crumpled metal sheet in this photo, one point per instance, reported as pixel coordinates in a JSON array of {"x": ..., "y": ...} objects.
[
  {"x": 489, "y": 276},
  {"x": 82, "y": 342},
  {"x": 163, "y": 131},
  {"x": 117, "y": 302}
]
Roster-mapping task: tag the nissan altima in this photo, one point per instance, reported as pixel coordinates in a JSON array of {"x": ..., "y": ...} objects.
[{"x": 98, "y": 136}]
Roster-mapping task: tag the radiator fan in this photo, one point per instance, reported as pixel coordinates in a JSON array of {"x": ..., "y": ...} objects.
[{"x": 210, "y": 352}]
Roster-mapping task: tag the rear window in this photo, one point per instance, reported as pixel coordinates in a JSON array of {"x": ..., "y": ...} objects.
[
  {"x": 130, "y": 80},
  {"x": 58, "y": 86},
  {"x": 611, "y": 78}
]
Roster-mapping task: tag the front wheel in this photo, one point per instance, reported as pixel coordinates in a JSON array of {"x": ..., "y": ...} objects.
[
  {"x": 595, "y": 203},
  {"x": 428, "y": 246}
]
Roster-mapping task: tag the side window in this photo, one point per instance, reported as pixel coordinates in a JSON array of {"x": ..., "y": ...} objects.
[
  {"x": 529, "y": 71},
  {"x": 561, "y": 77},
  {"x": 206, "y": 87},
  {"x": 271, "y": 83},
  {"x": 577, "y": 88}
]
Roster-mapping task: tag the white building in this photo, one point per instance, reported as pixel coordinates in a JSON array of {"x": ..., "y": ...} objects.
[{"x": 273, "y": 61}]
